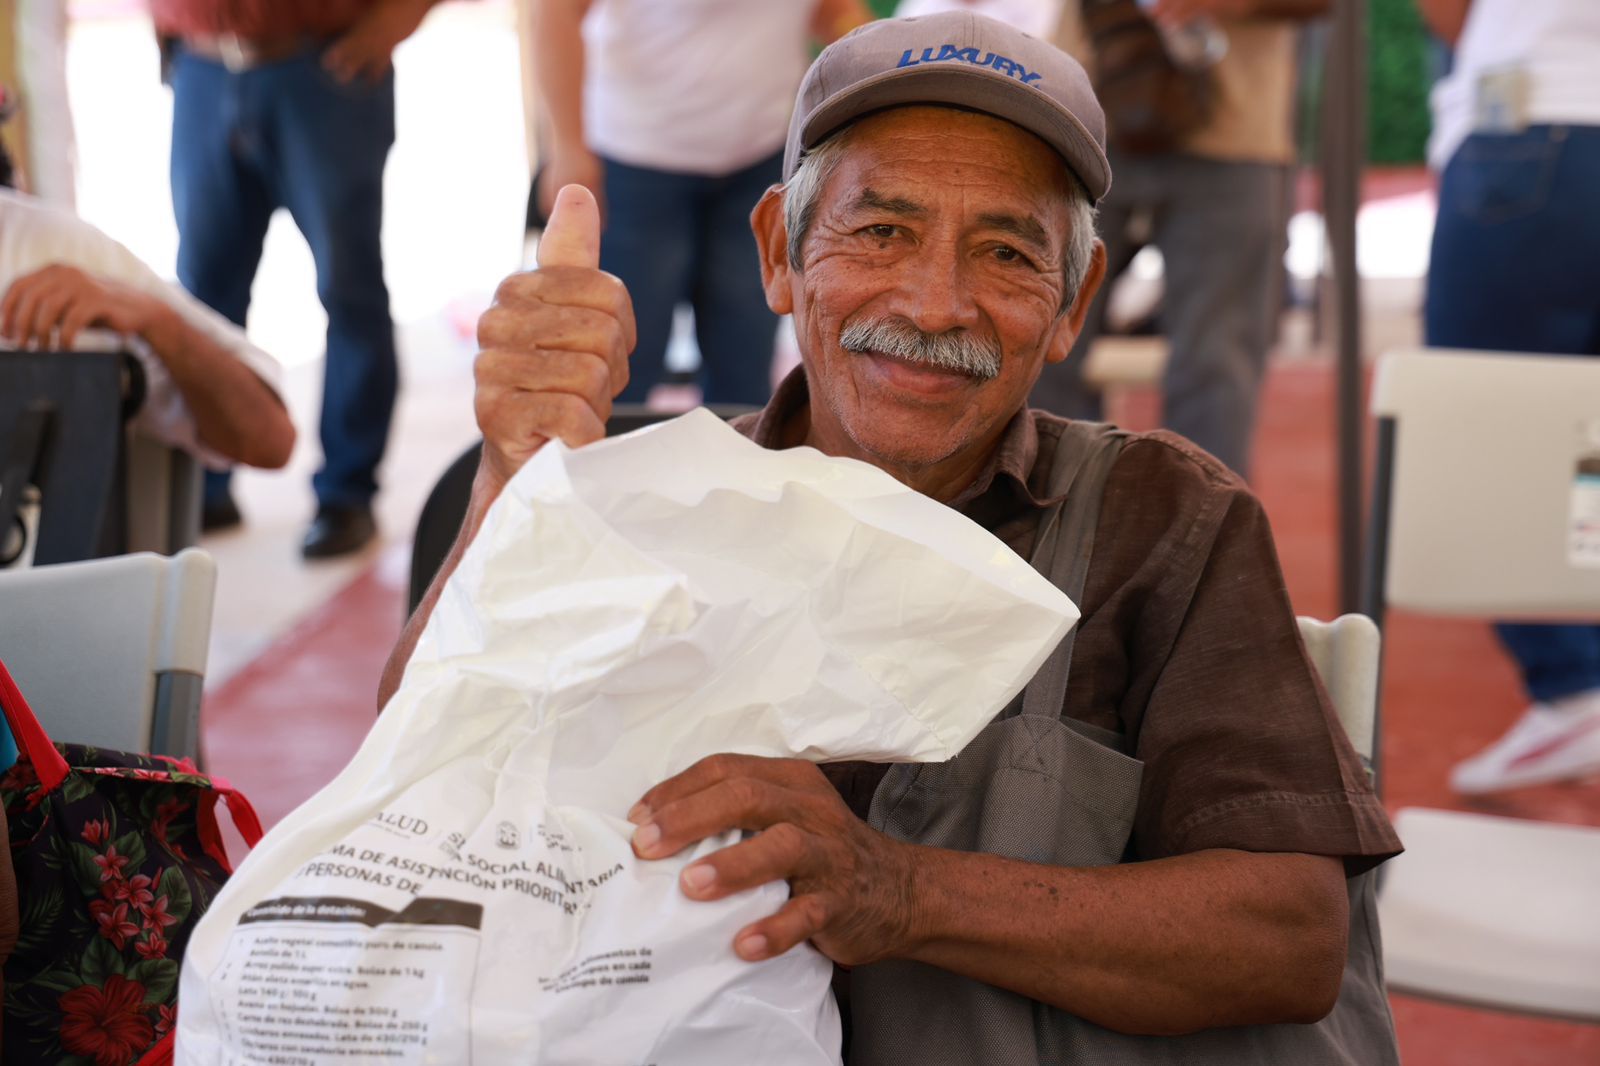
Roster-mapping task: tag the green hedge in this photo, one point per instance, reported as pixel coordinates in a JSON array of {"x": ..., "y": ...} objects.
[{"x": 1398, "y": 77}]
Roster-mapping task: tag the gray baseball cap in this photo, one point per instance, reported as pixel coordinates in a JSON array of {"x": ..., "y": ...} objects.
[{"x": 961, "y": 60}]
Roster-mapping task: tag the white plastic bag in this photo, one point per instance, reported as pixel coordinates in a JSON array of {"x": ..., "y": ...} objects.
[{"x": 465, "y": 890}]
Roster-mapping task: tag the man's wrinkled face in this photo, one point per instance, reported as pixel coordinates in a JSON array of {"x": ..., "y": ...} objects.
[{"x": 930, "y": 289}]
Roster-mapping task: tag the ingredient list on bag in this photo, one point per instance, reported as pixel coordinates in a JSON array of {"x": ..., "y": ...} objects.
[
  {"x": 305, "y": 975},
  {"x": 314, "y": 974}
]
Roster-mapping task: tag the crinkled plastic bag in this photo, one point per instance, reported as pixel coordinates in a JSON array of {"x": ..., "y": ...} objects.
[{"x": 464, "y": 890}]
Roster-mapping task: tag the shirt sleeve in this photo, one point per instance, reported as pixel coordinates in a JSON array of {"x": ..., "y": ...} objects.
[{"x": 1241, "y": 746}]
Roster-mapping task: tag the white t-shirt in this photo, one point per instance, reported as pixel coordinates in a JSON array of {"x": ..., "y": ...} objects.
[
  {"x": 1036, "y": 17},
  {"x": 693, "y": 86},
  {"x": 1556, "y": 43},
  {"x": 34, "y": 235}
]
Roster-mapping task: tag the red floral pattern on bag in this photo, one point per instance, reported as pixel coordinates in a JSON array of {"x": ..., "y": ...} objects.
[
  {"x": 108, "y": 1024},
  {"x": 113, "y": 873}
]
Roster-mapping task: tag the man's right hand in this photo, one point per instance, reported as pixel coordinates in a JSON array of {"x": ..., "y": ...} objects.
[{"x": 555, "y": 345}]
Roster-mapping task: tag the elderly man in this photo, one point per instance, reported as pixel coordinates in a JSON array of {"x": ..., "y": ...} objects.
[{"x": 1147, "y": 866}]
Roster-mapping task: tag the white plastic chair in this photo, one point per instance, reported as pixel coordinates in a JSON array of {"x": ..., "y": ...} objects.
[
  {"x": 112, "y": 652},
  {"x": 1345, "y": 652},
  {"x": 1476, "y": 459}
]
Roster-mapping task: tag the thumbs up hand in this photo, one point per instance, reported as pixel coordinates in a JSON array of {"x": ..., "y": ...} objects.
[{"x": 554, "y": 346}]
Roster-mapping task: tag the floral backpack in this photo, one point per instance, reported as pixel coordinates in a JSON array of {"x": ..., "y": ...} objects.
[{"x": 116, "y": 858}]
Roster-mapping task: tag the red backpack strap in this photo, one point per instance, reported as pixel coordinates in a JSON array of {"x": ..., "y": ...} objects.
[
  {"x": 161, "y": 1054},
  {"x": 244, "y": 818},
  {"x": 31, "y": 738},
  {"x": 243, "y": 814}
]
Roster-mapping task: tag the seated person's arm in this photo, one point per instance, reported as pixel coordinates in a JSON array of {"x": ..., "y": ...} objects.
[{"x": 236, "y": 414}]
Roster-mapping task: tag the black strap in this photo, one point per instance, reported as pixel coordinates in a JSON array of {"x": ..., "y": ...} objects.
[{"x": 1084, "y": 457}]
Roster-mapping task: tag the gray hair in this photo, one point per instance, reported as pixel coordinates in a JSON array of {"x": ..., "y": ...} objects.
[{"x": 802, "y": 196}]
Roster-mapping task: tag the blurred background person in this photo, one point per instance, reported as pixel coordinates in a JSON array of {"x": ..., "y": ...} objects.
[
  {"x": 674, "y": 112},
  {"x": 1204, "y": 178},
  {"x": 291, "y": 104},
  {"x": 1516, "y": 251},
  {"x": 33, "y": 66}
]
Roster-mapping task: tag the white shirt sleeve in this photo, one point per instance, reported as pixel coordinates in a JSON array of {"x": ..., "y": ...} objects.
[{"x": 34, "y": 235}]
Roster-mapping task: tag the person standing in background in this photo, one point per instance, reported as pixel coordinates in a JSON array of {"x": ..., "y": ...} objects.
[
  {"x": 290, "y": 103},
  {"x": 33, "y": 67},
  {"x": 1214, "y": 204},
  {"x": 1516, "y": 250},
  {"x": 673, "y": 113}
]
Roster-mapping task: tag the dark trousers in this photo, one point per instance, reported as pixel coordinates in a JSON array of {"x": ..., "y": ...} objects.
[
  {"x": 288, "y": 135},
  {"x": 1221, "y": 231},
  {"x": 1516, "y": 251},
  {"x": 685, "y": 238}
]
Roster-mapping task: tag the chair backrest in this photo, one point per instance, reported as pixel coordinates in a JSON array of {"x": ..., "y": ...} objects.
[
  {"x": 162, "y": 497},
  {"x": 1346, "y": 653},
  {"x": 446, "y": 505},
  {"x": 79, "y": 397},
  {"x": 1482, "y": 465},
  {"x": 112, "y": 652}
]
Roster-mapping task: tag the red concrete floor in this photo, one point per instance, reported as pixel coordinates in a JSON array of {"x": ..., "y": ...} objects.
[{"x": 283, "y": 726}]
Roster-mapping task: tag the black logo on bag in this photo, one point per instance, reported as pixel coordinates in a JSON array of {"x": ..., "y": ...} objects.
[{"x": 507, "y": 837}]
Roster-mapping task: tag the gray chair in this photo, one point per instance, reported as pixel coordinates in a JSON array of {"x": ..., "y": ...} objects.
[
  {"x": 1472, "y": 514},
  {"x": 77, "y": 480},
  {"x": 112, "y": 652}
]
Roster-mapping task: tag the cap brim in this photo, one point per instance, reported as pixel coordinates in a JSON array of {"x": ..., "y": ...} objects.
[{"x": 971, "y": 89}]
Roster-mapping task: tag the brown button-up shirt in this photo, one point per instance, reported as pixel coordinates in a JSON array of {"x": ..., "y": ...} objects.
[
  {"x": 1187, "y": 646},
  {"x": 256, "y": 20}
]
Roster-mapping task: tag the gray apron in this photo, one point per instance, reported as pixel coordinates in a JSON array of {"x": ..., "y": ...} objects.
[{"x": 1036, "y": 786}]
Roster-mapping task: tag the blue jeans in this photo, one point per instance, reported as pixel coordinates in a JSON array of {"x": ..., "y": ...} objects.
[
  {"x": 288, "y": 135},
  {"x": 1516, "y": 251},
  {"x": 685, "y": 238}
]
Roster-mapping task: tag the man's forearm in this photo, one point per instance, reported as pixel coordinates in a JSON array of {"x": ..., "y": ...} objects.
[
  {"x": 484, "y": 491},
  {"x": 1446, "y": 18},
  {"x": 558, "y": 60},
  {"x": 1296, "y": 10},
  {"x": 234, "y": 411},
  {"x": 1216, "y": 938},
  {"x": 835, "y": 18}
]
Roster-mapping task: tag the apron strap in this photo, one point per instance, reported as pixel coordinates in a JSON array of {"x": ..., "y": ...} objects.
[{"x": 1083, "y": 460}]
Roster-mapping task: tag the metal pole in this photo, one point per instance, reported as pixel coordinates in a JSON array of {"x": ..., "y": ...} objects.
[{"x": 1344, "y": 155}]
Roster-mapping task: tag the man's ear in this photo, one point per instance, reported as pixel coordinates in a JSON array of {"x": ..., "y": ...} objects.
[
  {"x": 1071, "y": 323},
  {"x": 772, "y": 242}
]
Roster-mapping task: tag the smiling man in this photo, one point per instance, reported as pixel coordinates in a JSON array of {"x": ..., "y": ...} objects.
[{"x": 1163, "y": 861}]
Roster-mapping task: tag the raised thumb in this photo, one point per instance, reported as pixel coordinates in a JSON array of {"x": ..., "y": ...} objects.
[{"x": 572, "y": 236}]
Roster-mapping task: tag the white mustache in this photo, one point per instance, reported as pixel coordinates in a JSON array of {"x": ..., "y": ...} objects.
[{"x": 955, "y": 350}]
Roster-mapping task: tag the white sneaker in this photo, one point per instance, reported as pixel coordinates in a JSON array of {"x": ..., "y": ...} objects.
[{"x": 1551, "y": 742}]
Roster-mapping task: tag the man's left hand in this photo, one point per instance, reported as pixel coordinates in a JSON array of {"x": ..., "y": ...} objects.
[
  {"x": 850, "y": 886},
  {"x": 366, "y": 48},
  {"x": 50, "y": 307}
]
